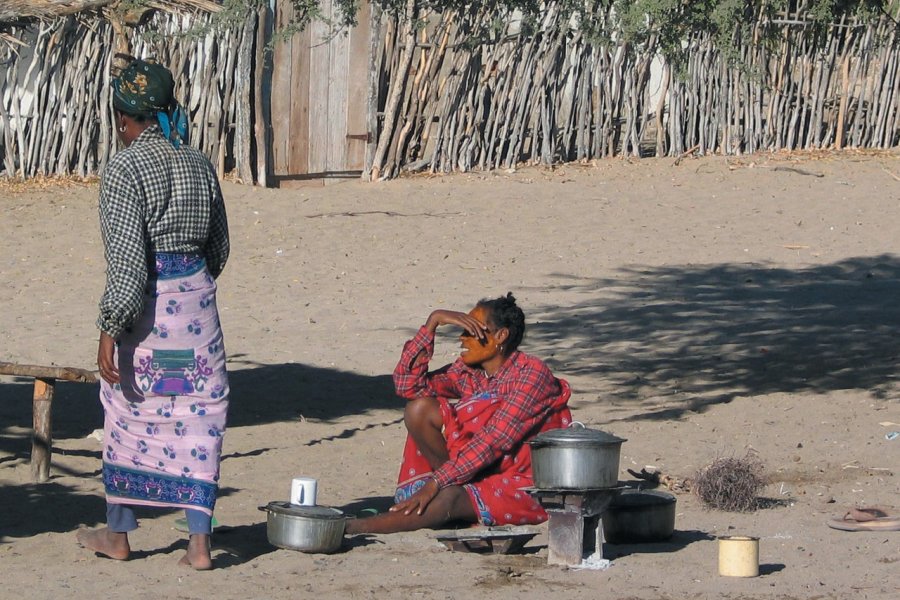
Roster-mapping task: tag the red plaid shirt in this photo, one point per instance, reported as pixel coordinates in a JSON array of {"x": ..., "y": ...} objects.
[{"x": 525, "y": 385}]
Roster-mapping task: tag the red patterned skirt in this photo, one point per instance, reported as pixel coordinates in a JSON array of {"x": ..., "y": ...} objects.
[{"x": 497, "y": 492}]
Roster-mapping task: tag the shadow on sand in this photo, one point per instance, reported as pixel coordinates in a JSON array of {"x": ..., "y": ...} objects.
[
  {"x": 699, "y": 335},
  {"x": 694, "y": 335},
  {"x": 678, "y": 541}
]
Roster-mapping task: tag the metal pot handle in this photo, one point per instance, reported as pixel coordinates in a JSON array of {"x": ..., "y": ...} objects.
[{"x": 575, "y": 424}]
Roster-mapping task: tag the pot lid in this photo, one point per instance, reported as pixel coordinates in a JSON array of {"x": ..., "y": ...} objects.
[
  {"x": 297, "y": 510},
  {"x": 575, "y": 434},
  {"x": 638, "y": 499}
]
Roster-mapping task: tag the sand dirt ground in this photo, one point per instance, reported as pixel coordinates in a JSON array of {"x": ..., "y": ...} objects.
[{"x": 701, "y": 309}]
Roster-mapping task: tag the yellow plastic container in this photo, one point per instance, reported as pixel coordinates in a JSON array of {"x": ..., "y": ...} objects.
[{"x": 738, "y": 556}]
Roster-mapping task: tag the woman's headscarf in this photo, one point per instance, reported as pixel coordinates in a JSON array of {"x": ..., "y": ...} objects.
[{"x": 147, "y": 89}]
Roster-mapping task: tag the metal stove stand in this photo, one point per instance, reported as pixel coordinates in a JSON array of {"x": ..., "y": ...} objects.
[{"x": 575, "y": 527}]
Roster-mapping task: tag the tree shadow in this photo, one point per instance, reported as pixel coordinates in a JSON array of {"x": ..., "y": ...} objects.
[
  {"x": 369, "y": 506},
  {"x": 652, "y": 343},
  {"x": 32, "y": 509},
  {"x": 51, "y": 507},
  {"x": 260, "y": 394},
  {"x": 237, "y": 545},
  {"x": 698, "y": 335},
  {"x": 680, "y": 539}
]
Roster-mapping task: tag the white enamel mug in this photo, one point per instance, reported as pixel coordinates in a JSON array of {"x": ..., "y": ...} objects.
[{"x": 303, "y": 491}]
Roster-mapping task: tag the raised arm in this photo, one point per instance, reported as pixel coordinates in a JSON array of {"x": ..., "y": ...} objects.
[{"x": 411, "y": 376}]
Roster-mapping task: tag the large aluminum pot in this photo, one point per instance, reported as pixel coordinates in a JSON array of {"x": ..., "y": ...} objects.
[
  {"x": 312, "y": 529},
  {"x": 636, "y": 517},
  {"x": 575, "y": 458}
]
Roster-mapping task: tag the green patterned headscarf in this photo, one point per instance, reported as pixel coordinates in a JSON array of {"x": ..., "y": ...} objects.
[{"x": 147, "y": 89}]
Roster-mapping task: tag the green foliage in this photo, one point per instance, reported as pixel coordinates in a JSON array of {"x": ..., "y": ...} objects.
[
  {"x": 233, "y": 14},
  {"x": 667, "y": 24}
]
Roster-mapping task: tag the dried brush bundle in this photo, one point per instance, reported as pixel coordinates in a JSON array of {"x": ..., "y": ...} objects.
[{"x": 730, "y": 484}]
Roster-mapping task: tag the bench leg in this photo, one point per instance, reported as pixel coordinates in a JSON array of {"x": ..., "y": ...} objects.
[{"x": 42, "y": 438}]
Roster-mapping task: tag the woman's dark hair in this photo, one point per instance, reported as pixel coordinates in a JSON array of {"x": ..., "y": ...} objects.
[
  {"x": 504, "y": 312},
  {"x": 137, "y": 117}
]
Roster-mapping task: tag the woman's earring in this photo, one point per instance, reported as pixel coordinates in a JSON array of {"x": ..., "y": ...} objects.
[{"x": 122, "y": 128}]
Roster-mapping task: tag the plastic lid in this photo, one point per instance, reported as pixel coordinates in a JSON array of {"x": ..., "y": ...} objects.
[
  {"x": 576, "y": 434},
  {"x": 297, "y": 510}
]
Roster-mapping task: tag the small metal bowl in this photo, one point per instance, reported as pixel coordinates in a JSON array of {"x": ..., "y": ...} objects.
[{"x": 311, "y": 529}]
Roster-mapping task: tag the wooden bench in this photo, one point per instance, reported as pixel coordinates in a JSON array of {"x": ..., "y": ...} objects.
[{"x": 45, "y": 379}]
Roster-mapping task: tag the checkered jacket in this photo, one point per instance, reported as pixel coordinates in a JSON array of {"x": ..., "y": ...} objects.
[{"x": 155, "y": 198}]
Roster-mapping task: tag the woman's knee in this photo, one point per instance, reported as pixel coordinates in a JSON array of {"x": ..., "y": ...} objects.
[
  {"x": 421, "y": 412},
  {"x": 454, "y": 504}
]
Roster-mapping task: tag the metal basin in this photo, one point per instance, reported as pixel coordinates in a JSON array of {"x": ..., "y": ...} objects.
[
  {"x": 639, "y": 517},
  {"x": 311, "y": 529}
]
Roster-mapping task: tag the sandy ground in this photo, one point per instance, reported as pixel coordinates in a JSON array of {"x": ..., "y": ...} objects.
[{"x": 702, "y": 309}]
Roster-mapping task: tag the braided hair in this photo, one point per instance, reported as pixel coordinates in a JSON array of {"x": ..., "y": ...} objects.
[{"x": 504, "y": 312}]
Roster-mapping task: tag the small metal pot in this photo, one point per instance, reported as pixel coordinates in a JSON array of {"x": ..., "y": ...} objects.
[
  {"x": 575, "y": 458},
  {"x": 639, "y": 517},
  {"x": 312, "y": 529}
]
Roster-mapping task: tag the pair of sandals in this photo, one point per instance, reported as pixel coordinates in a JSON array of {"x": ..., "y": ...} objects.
[{"x": 866, "y": 519}]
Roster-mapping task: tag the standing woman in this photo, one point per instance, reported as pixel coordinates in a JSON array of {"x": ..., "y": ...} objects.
[{"x": 164, "y": 387}]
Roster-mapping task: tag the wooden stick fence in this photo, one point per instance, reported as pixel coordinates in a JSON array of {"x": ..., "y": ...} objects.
[
  {"x": 556, "y": 96},
  {"x": 55, "y": 103},
  {"x": 45, "y": 379},
  {"x": 459, "y": 95}
]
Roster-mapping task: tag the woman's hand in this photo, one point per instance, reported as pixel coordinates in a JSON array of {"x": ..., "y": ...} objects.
[
  {"x": 451, "y": 317},
  {"x": 418, "y": 501},
  {"x": 108, "y": 370}
]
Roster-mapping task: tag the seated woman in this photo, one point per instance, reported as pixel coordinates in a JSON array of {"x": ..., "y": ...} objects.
[{"x": 466, "y": 457}]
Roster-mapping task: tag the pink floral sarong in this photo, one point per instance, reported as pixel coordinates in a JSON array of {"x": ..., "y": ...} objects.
[{"x": 164, "y": 422}]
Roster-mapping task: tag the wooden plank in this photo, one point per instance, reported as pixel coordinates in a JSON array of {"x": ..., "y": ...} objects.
[
  {"x": 319, "y": 99},
  {"x": 282, "y": 66},
  {"x": 42, "y": 436},
  {"x": 339, "y": 103},
  {"x": 357, "y": 109},
  {"x": 299, "y": 105},
  {"x": 262, "y": 96},
  {"x": 375, "y": 67},
  {"x": 40, "y": 371},
  {"x": 243, "y": 84}
]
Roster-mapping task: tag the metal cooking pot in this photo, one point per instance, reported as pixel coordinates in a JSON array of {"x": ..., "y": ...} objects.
[
  {"x": 639, "y": 516},
  {"x": 312, "y": 529},
  {"x": 575, "y": 458}
]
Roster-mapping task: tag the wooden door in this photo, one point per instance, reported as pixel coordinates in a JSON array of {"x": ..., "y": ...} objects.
[{"x": 319, "y": 100}]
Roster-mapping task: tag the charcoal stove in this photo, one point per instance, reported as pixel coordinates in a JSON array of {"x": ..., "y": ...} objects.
[{"x": 575, "y": 524}]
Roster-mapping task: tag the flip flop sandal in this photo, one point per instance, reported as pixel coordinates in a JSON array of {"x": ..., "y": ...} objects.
[
  {"x": 182, "y": 524},
  {"x": 865, "y": 514},
  {"x": 870, "y": 524}
]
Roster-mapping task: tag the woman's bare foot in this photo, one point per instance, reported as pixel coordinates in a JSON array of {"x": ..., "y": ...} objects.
[
  {"x": 197, "y": 555},
  {"x": 103, "y": 541}
]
